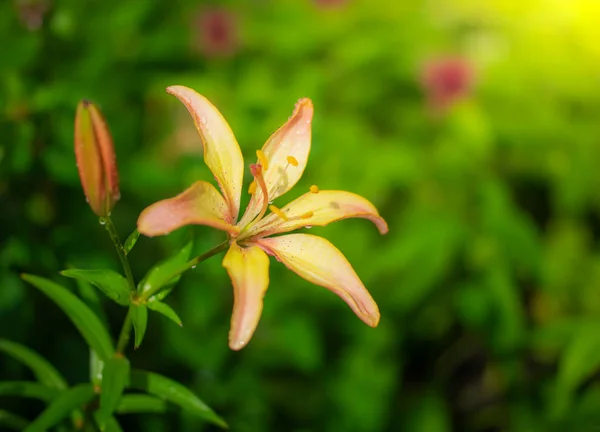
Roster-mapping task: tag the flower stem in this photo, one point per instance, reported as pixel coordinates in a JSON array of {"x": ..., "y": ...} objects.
[
  {"x": 114, "y": 236},
  {"x": 125, "y": 334}
]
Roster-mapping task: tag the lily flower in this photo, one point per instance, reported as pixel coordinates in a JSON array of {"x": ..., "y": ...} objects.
[{"x": 280, "y": 164}]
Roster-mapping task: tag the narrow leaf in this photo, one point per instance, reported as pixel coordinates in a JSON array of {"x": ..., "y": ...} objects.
[
  {"x": 115, "y": 378},
  {"x": 85, "y": 320},
  {"x": 62, "y": 406},
  {"x": 28, "y": 389},
  {"x": 12, "y": 421},
  {"x": 166, "y": 310},
  {"x": 141, "y": 403},
  {"x": 96, "y": 368},
  {"x": 174, "y": 392},
  {"x": 131, "y": 241},
  {"x": 110, "y": 424},
  {"x": 162, "y": 273},
  {"x": 90, "y": 297},
  {"x": 111, "y": 283},
  {"x": 42, "y": 369},
  {"x": 139, "y": 317}
]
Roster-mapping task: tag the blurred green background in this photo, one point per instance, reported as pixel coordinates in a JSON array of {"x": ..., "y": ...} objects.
[{"x": 474, "y": 127}]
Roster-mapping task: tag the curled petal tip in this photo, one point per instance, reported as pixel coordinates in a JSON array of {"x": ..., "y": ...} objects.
[{"x": 381, "y": 225}]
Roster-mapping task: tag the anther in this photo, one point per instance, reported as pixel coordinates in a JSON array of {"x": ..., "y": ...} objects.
[
  {"x": 292, "y": 161},
  {"x": 314, "y": 189},
  {"x": 307, "y": 215},
  {"x": 252, "y": 188},
  {"x": 278, "y": 212},
  {"x": 262, "y": 159}
]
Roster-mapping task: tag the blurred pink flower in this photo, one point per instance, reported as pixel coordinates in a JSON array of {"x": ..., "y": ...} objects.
[
  {"x": 32, "y": 12},
  {"x": 215, "y": 32},
  {"x": 446, "y": 80}
]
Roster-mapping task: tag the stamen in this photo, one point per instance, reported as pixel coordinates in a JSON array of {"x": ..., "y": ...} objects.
[
  {"x": 252, "y": 188},
  {"x": 256, "y": 170},
  {"x": 314, "y": 189},
  {"x": 292, "y": 161},
  {"x": 278, "y": 212},
  {"x": 307, "y": 215},
  {"x": 262, "y": 159}
]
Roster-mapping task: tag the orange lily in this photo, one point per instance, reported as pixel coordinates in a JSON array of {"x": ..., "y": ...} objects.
[{"x": 280, "y": 165}]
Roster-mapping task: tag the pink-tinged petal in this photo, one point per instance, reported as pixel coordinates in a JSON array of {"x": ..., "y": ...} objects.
[
  {"x": 222, "y": 153},
  {"x": 96, "y": 161},
  {"x": 318, "y": 261},
  {"x": 248, "y": 269},
  {"x": 200, "y": 204},
  {"x": 318, "y": 209},
  {"x": 292, "y": 140}
]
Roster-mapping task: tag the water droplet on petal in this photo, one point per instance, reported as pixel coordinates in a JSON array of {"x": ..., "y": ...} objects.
[
  {"x": 308, "y": 226},
  {"x": 203, "y": 120}
]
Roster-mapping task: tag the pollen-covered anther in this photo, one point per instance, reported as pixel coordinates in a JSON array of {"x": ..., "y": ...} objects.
[
  {"x": 292, "y": 161},
  {"x": 314, "y": 189},
  {"x": 278, "y": 212},
  {"x": 262, "y": 159},
  {"x": 307, "y": 215},
  {"x": 252, "y": 188}
]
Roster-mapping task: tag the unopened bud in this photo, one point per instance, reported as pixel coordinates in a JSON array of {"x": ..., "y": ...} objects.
[{"x": 96, "y": 161}]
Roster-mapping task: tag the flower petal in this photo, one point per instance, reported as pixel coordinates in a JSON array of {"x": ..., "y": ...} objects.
[
  {"x": 290, "y": 140},
  {"x": 248, "y": 269},
  {"x": 200, "y": 204},
  {"x": 222, "y": 153},
  {"x": 318, "y": 261},
  {"x": 318, "y": 209}
]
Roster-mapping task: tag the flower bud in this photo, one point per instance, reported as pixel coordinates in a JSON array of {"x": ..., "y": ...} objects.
[{"x": 96, "y": 159}]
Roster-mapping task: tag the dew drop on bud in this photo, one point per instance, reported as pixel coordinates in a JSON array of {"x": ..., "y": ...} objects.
[
  {"x": 102, "y": 221},
  {"x": 193, "y": 267}
]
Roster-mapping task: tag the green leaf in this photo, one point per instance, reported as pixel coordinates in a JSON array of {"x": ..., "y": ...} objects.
[
  {"x": 131, "y": 241},
  {"x": 62, "y": 406},
  {"x": 110, "y": 424},
  {"x": 579, "y": 360},
  {"x": 85, "y": 320},
  {"x": 96, "y": 368},
  {"x": 111, "y": 283},
  {"x": 115, "y": 378},
  {"x": 162, "y": 273},
  {"x": 173, "y": 392},
  {"x": 166, "y": 310},
  {"x": 28, "y": 389},
  {"x": 139, "y": 317},
  {"x": 12, "y": 421},
  {"x": 44, "y": 372},
  {"x": 141, "y": 403},
  {"x": 90, "y": 297}
]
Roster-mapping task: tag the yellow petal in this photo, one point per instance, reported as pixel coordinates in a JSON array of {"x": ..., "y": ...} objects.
[
  {"x": 290, "y": 140},
  {"x": 222, "y": 153},
  {"x": 200, "y": 204},
  {"x": 248, "y": 269},
  {"x": 318, "y": 261},
  {"x": 318, "y": 209}
]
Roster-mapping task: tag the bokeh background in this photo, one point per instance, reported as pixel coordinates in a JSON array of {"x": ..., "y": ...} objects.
[{"x": 474, "y": 127}]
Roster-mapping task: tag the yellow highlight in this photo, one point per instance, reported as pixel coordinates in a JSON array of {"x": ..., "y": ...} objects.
[
  {"x": 314, "y": 189},
  {"x": 252, "y": 188},
  {"x": 278, "y": 212},
  {"x": 262, "y": 159},
  {"x": 307, "y": 215},
  {"x": 292, "y": 161}
]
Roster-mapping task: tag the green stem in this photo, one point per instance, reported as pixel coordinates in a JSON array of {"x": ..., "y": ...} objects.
[
  {"x": 114, "y": 236},
  {"x": 125, "y": 333},
  {"x": 191, "y": 263}
]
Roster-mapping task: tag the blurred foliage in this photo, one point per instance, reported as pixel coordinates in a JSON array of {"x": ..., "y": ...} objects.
[{"x": 488, "y": 282}]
